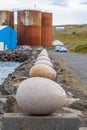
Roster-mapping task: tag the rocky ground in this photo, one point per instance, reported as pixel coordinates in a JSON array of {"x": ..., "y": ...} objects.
[
  {"x": 76, "y": 99},
  {"x": 17, "y": 55}
]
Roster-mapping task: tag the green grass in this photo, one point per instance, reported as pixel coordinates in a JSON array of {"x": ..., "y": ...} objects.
[
  {"x": 81, "y": 48},
  {"x": 72, "y": 35}
]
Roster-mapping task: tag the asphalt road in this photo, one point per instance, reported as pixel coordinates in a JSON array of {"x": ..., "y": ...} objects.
[{"x": 76, "y": 62}]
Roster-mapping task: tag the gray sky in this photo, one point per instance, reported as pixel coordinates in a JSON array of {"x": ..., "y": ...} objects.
[{"x": 64, "y": 11}]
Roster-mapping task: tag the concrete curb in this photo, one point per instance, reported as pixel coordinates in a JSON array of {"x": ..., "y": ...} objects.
[{"x": 20, "y": 121}]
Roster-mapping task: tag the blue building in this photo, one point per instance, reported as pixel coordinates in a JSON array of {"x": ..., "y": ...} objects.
[{"x": 8, "y": 38}]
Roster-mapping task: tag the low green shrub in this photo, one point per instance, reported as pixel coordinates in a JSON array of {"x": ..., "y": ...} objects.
[{"x": 81, "y": 48}]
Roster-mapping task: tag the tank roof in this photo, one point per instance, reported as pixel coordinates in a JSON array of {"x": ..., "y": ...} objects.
[{"x": 3, "y": 26}]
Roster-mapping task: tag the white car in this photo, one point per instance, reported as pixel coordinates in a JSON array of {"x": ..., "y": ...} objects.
[{"x": 61, "y": 49}]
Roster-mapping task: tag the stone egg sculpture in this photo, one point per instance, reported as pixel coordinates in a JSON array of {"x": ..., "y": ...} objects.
[
  {"x": 42, "y": 70},
  {"x": 43, "y": 58},
  {"x": 43, "y": 53},
  {"x": 40, "y": 96},
  {"x": 44, "y": 62}
]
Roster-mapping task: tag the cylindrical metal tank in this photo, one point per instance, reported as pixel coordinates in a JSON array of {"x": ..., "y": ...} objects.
[
  {"x": 29, "y": 27},
  {"x": 46, "y": 29},
  {"x": 11, "y": 20},
  {"x": 20, "y": 27},
  {"x": 7, "y": 18}
]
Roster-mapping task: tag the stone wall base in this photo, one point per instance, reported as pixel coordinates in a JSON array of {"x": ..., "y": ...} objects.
[{"x": 20, "y": 121}]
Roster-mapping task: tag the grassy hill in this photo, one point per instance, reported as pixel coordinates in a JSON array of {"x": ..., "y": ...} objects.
[{"x": 71, "y": 35}]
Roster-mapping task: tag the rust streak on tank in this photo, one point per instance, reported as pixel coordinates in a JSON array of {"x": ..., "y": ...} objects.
[
  {"x": 46, "y": 39},
  {"x": 29, "y": 27},
  {"x": 7, "y": 18}
]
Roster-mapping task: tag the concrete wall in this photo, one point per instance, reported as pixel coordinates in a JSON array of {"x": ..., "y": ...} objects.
[{"x": 52, "y": 122}]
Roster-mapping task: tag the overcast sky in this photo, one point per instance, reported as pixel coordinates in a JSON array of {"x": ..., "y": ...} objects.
[{"x": 64, "y": 11}]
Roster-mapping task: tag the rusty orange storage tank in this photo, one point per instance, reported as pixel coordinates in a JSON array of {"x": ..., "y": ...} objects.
[
  {"x": 29, "y": 27},
  {"x": 20, "y": 27},
  {"x": 46, "y": 33},
  {"x": 11, "y": 20},
  {"x": 7, "y": 18}
]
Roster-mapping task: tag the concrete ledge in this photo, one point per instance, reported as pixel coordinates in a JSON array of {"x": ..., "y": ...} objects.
[
  {"x": 83, "y": 128},
  {"x": 20, "y": 121}
]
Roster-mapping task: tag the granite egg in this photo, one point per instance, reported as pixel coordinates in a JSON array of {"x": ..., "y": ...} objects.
[
  {"x": 42, "y": 70},
  {"x": 44, "y": 62},
  {"x": 43, "y": 53},
  {"x": 43, "y": 58},
  {"x": 40, "y": 96}
]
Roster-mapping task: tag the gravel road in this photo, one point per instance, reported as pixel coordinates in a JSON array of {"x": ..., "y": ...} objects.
[{"x": 76, "y": 62}]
